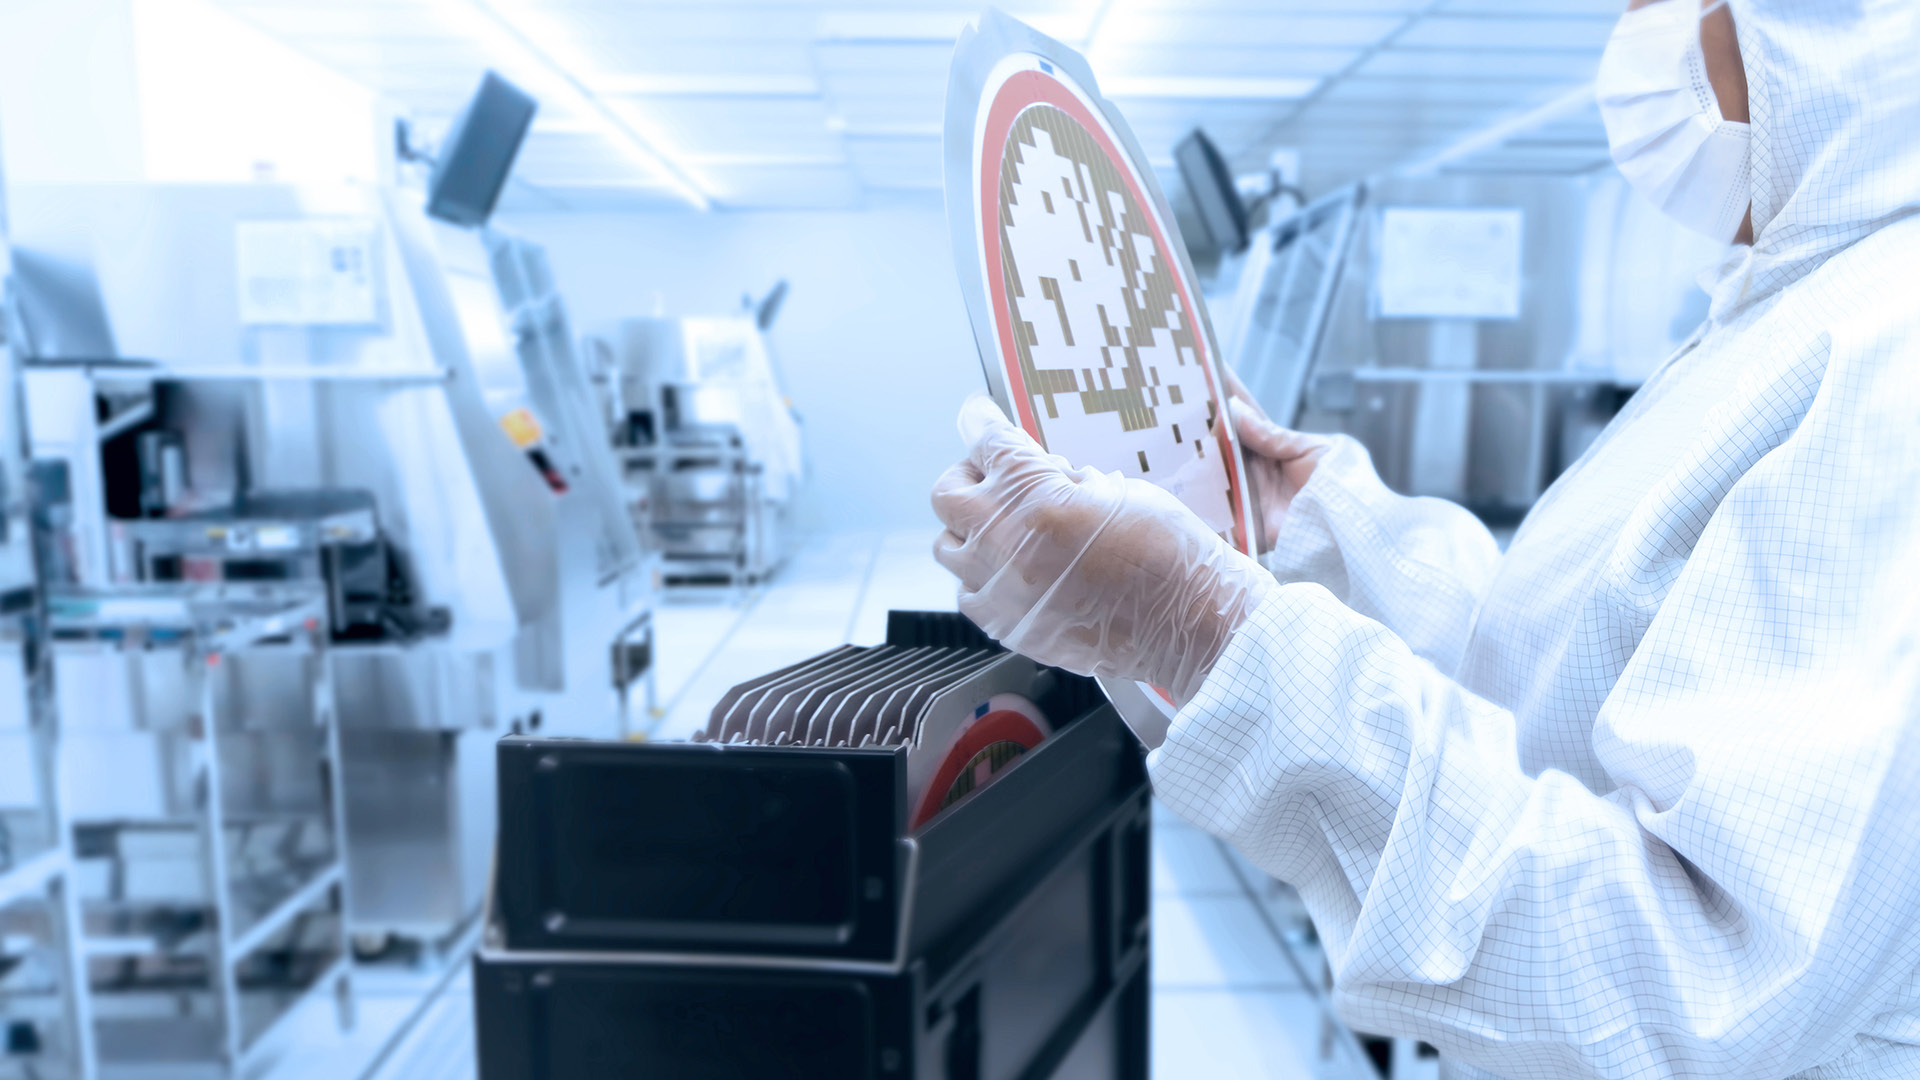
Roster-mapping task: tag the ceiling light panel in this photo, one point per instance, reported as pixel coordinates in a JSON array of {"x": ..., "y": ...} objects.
[
  {"x": 1501, "y": 32},
  {"x": 690, "y": 22},
  {"x": 706, "y": 127},
  {"x": 1066, "y": 21},
  {"x": 1507, "y": 92},
  {"x": 1207, "y": 88},
  {"x": 915, "y": 58},
  {"x": 784, "y": 187},
  {"x": 873, "y": 106},
  {"x": 732, "y": 85},
  {"x": 1566, "y": 65},
  {"x": 445, "y": 55},
  {"x": 1125, "y": 25},
  {"x": 1285, "y": 7},
  {"x": 588, "y": 199},
  {"x": 1374, "y": 114},
  {"x": 925, "y": 92},
  {"x": 897, "y": 163},
  {"x": 381, "y": 22},
  {"x": 616, "y": 55},
  {"x": 1511, "y": 163},
  {"x": 571, "y": 158},
  {"x": 1216, "y": 60},
  {"x": 1609, "y": 9}
]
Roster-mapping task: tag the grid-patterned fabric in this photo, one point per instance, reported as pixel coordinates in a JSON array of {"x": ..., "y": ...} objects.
[{"x": 1659, "y": 815}]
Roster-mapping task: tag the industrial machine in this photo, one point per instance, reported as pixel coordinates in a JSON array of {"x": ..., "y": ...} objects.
[
  {"x": 375, "y": 420},
  {"x": 1442, "y": 322},
  {"x": 769, "y": 908},
  {"x": 45, "y": 1027},
  {"x": 708, "y": 447}
]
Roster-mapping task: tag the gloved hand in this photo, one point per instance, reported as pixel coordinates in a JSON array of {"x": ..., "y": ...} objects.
[
  {"x": 1279, "y": 461},
  {"x": 1088, "y": 571}
]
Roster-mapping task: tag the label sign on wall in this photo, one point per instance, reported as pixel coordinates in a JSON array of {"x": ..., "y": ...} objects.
[
  {"x": 1449, "y": 263},
  {"x": 308, "y": 272}
]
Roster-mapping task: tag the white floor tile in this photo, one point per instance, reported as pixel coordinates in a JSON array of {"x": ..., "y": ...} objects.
[
  {"x": 1218, "y": 943},
  {"x": 441, "y": 1044},
  {"x": 905, "y": 578},
  {"x": 1245, "y": 1035},
  {"x": 1164, "y": 818},
  {"x": 1188, "y": 862},
  {"x": 684, "y": 636}
]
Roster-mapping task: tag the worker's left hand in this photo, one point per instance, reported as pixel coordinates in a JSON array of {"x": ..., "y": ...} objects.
[
  {"x": 1279, "y": 460},
  {"x": 1088, "y": 571}
]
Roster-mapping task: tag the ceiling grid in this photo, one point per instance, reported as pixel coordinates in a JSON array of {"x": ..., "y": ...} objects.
[{"x": 751, "y": 104}]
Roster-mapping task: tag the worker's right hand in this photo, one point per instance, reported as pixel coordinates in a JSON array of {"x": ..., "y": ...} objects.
[
  {"x": 1279, "y": 460},
  {"x": 1088, "y": 571}
]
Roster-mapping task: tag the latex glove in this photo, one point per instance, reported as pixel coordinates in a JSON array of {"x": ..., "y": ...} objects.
[
  {"x": 1087, "y": 571},
  {"x": 1279, "y": 461}
]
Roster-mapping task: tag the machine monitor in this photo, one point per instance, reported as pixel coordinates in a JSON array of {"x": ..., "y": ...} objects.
[
  {"x": 479, "y": 152},
  {"x": 1215, "y": 198}
]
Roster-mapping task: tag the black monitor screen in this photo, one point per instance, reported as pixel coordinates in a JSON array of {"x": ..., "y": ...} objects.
[
  {"x": 1214, "y": 195},
  {"x": 478, "y": 153}
]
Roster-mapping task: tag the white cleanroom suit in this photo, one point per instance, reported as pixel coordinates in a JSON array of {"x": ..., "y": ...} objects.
[{"x": 1640, "y": 797}]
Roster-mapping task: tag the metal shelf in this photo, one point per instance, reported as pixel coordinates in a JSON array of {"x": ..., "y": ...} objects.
[
  {"x": 208, "y": 620},
  {"x": 303, "y": 373},
  {"x": 218, "y": 618},
  {"x": 32, "y": 876},
  {"x": 126, "y": 419},
  {"x": 284, "y": 912}
]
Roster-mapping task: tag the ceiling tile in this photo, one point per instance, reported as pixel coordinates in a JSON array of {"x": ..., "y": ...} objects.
[
  {"x": 896, "y": 163},
  {"x": 800, "y": 103},
  {"x": 1509, "y": 32},
  {"x": 1221, "y": 60},
  {"x": 783, "y": 186},
  {"x": 1558, "y": 65},
  {"x": 1126, "y": 26},
  {"x": 777, "y": 127}
]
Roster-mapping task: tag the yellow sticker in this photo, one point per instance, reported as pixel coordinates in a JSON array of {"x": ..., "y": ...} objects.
[{"x": 521, "y": 426}]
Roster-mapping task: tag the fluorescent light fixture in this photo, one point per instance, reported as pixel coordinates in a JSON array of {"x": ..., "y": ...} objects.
[
  {"x": 891, "y": 25},
  {"x": 840, "y": 124},
  {"x": 930, "y": 26},
  {"x": 1208, "y": 88},
  {"x": 708, "y": 86},
  {"x": 553, "y": 125},
  {"x": 485, "y": 19},
  {"x": 1494, "y": 135},
  {"x": 768, "y": 161}
]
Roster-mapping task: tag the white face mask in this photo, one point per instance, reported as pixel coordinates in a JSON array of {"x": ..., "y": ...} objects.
[{"x": 1664, "y": 124}]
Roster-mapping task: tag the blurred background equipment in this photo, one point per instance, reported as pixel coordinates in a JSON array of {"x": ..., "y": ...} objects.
[
  {"x": 707, "y": 440},
  {"x": 45, "y": 1022},
  {"x": 472, "y": 166},
  {"x": 359, "y": 432}
]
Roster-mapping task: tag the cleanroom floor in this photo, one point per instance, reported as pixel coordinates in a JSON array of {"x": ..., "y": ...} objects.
[{"x": 1227, "y": 1002}]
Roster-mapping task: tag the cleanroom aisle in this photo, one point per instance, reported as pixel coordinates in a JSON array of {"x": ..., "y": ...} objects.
[{"x": 1226, "y": 1001}]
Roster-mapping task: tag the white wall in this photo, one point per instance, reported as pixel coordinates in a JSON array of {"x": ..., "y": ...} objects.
[
  {"x": 68, "y": 83},
  {"x": 96, "y": 91},
  {"x": 873, "y": 342}
]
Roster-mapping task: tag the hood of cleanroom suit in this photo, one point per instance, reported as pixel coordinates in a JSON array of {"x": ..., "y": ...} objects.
[
  {"x": 1833, "y": 87},
  {"x": 1641, "y": 795}
]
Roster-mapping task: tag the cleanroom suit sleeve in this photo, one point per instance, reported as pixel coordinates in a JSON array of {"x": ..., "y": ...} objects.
[
  {"x": 1743, "y": 903},
  {"x": 1417, "y": 565}
]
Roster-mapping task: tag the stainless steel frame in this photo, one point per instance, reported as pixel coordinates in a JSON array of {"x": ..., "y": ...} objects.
[
  {"x": 1280, "y": 310},
  {"x": 215, "y": 901},
  {"x": 38, "y": 899}
]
